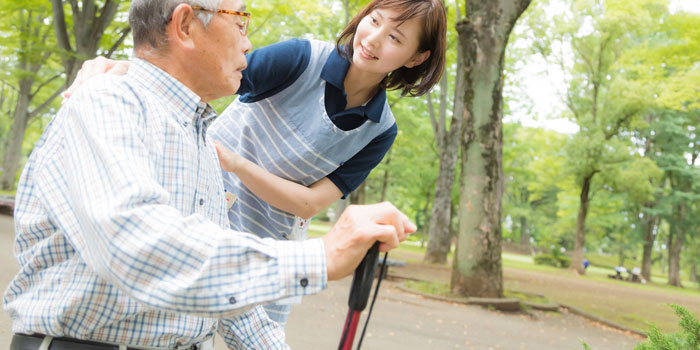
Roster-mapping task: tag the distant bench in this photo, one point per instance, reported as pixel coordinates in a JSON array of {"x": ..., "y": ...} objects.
[
  {"x": 7, "y": 205},
  {"x": 389, "y": 263}
]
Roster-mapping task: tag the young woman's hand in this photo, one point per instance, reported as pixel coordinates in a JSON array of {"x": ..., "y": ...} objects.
[
  {"x": 228, "y": 160},
  {"x": 93, "y": 67}
]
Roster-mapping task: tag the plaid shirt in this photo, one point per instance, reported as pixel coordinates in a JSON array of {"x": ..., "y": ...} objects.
[{"x": 122, "y": 230}]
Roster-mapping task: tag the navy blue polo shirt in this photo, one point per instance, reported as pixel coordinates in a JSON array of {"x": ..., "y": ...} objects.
[{"x": 273, "y": 68}]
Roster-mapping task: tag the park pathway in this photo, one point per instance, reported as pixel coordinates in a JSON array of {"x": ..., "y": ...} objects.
[{"x": 402, "y": 321}]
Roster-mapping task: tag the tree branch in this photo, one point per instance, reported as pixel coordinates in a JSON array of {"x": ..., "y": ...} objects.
[
  {"x": 262, "y": 25},
  {"x": 431, "y": 112},
  {"x": 618, "y": 124},
  {"x": 46, "y": 103},
  {"x": 443, "y": 103},
  {"x": 48, "y": 81},
  {"x": 109, "y": 9},
  {"x": 59, "y": 22},
  {"x": 119, "y": 42}
]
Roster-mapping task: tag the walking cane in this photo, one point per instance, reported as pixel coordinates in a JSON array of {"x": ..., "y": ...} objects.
[{"x": 359, "y": 294}]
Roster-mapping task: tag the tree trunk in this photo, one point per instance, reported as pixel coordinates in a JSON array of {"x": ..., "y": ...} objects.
[
  {"x": 31, "y": 57},
  {"x": 385, "y": 180},
  {"x": 524, "y": 233},
  {"x": 13, "y": 143},
  {"x": 340, "y": 206},
  {"x": 358, "y": 195},
  {"x": 621, "y": 255},
  {"x": 675, "y": 246},
  {"x": 483, "y": 37},
  {"x": 89, "y": 24},
  {"x": 439, "y": 240},
  {"x": 580, "y": 238},
  {"x": 649, "y": 237},
  {"x": 674, "y": 259}
]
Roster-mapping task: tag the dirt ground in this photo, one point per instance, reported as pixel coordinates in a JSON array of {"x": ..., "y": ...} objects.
[
  {"x": 613, "y": 300},
  {"x": 405, "y": 321}
]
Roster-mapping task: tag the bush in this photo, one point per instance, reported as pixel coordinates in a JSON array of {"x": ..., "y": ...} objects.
[
  {"x": 556, "y": 260},
  {"x": 687, "y": 339}
]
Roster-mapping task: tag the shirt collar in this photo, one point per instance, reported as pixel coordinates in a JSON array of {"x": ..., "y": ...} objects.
[
  {"x": 334, "y": 72},
  {"x": 188, "y": 105}
]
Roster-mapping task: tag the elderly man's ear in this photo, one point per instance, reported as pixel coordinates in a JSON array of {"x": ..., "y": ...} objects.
[{"x": 182, "y": 27}]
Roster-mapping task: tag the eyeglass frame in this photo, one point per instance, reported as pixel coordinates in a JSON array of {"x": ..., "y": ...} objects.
[{"x": 243, "y": 31}]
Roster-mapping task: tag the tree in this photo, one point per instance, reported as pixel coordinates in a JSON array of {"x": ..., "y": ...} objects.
[
  {"x": 30, "y": 42},
  {"x": 89, "y": 20},
  {"x": 483, "y": 36},
  {"x": 665, "y": 61},
  {"x": 600, "y": 98},
  {"x": 532, "y": 164},
  {"x": 447, "y": 142}
]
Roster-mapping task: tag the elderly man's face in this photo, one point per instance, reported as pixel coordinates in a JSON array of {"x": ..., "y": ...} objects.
[{"x": 222, "y": 55}]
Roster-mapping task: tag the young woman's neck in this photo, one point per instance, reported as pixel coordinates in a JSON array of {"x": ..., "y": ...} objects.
[{"x": 360, "y": 86}]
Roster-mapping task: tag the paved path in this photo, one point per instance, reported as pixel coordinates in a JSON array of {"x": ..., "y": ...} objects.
[{"x": 403, "y": 321}]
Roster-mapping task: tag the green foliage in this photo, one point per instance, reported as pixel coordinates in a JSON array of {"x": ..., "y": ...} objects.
[
  {"x": 687, "y": 339},
  {"x": 556, "y": 260},
  {"x": 533, "y": 175}
]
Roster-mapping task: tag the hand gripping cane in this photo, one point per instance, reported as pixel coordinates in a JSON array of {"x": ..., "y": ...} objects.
[{"x": 359, "y": 295}]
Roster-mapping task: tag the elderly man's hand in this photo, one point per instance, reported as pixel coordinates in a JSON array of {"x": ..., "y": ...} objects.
[
  {"x": 93, "y": 67},
  {"x": 357, "y": 229}
]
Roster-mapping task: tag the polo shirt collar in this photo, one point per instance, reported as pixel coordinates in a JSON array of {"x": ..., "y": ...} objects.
[{"x": 334, "y": 72}]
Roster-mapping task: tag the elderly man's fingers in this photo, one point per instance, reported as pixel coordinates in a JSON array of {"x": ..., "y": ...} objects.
[
  {"x": 387, "y": 237},
  {"x": 408, "y": 225},
  {"x": 389, "y": 215}
]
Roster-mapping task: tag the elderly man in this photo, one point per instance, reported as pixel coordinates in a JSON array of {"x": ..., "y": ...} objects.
[{"x": 120, "y": 211}]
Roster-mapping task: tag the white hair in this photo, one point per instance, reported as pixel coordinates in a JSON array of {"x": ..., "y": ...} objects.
[{"x": 148, "y": 18}]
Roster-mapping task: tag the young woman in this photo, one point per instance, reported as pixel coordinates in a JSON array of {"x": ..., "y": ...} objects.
[{"x": 312, "y": 119}]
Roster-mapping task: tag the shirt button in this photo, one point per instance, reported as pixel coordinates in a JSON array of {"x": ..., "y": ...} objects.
[
  {"x": 232, "y": 300},
  {"x": 201, "y": 201},
  {"x": 304, "y": 282}
]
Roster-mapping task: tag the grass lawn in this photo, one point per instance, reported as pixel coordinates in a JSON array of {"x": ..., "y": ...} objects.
[{"x": 631, "y": 304}]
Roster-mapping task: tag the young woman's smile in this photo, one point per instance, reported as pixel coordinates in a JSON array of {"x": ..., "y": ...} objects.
[{"x": 383, "y": 45}]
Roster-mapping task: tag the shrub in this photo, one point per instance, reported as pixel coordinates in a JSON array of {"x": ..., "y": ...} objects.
[
  {"x": 556, "y": 260},
  {"x": 687, "y": 339}
]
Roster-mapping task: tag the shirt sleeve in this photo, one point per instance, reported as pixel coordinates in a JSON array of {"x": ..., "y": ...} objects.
[
  {"x": 351, "y": 173},
  {"x": 122, "y": 225},
  {"x": 273, "y": 68}
]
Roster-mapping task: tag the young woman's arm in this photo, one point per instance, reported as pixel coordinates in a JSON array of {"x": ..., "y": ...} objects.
[{"x": 286, "y": 195}]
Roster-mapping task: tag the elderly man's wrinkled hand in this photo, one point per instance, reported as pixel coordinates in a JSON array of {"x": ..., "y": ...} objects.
[{"x": 357, "y": 229}]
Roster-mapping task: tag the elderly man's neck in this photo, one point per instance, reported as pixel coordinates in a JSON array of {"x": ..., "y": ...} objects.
[{"x": 174, "y": 65}]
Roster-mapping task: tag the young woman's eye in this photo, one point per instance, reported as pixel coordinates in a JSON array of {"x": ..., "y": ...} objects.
[
  {"x": 393, "y": 37},
  {"x": 374, "y": 20}
]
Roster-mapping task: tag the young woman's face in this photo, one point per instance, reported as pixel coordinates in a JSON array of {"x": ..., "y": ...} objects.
[{"x": 382, "y": 45}]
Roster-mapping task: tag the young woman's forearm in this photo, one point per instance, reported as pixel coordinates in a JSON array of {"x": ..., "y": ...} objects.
[
  {"x": 286, "y": 195},
  {"x": 282, "y": 194}
]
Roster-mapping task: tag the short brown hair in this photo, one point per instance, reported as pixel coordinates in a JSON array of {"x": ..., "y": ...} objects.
[{"x": 420, "y": 79}]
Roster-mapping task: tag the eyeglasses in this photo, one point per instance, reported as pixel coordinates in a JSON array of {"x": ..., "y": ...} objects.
[{"x": 245, "y": 17}]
